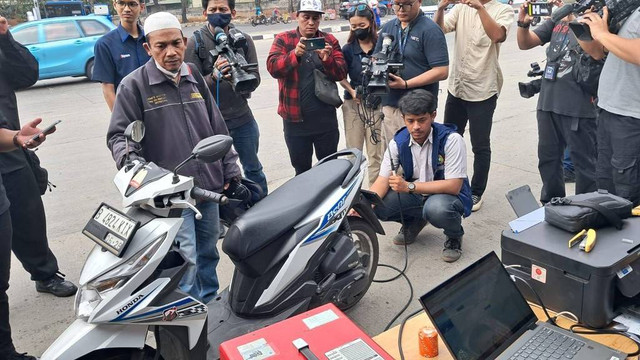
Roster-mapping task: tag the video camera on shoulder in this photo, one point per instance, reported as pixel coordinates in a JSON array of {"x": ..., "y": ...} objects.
[
  {"x": 375, "y": 73},
  {"x": 227, "y": 46},
  {"x": 529, "y": 89},
  {"x": 619, "y": 11}
]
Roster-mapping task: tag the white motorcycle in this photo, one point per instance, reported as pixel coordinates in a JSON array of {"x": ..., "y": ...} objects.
[{"x": 294, "y": 250}]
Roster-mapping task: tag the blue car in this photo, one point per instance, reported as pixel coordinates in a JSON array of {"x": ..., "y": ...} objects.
[{"x": 63, "y": 46}]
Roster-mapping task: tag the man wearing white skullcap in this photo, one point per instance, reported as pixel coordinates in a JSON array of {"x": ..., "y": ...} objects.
[{"x": 172, "y": 99}]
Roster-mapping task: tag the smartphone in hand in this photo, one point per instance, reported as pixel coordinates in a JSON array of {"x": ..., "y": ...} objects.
[
  {"x": 46, "y": 130},
  {"x": 539, "y": 9},
  {"x": 314, "y": 43}
]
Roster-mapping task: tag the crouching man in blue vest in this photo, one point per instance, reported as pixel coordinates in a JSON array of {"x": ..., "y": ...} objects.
[{"x": 434, "y": 186}]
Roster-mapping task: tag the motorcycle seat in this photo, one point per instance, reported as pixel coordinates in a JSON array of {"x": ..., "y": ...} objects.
[{"x": 265, "y": 223}]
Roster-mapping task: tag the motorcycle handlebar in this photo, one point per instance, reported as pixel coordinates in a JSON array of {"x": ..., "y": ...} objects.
[{"x": 206, "y": 195}]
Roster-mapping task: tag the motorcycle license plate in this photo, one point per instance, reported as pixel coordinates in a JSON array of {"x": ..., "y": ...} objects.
[{"x": 111, "y": 229}]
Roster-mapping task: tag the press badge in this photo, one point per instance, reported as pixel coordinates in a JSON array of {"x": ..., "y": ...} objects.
[{"x": 551, "y": 71}]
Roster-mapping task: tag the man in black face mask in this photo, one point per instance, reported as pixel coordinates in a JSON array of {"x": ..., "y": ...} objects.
[{"x": 217, "y": 72}]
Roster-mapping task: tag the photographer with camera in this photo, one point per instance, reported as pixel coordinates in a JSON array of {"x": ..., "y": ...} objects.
[
  {"x": 297, "y": 57},
  {"x": 476, "y": 78},
  {"x": 419, "y": 44},
  {"x": 361, "y": 111},
  {"x": 619, "y": 100},
  {"x": 565, "y": 111},
  {"x": 222, "y": 79}
]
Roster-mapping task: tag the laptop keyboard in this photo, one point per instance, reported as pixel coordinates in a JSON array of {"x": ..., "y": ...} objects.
[{"x": 549, "y": 344}]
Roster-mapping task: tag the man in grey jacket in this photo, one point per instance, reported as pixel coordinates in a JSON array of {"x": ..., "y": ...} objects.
[
  {"x": 178, "y": 111},
  {"x": 242, "y": 126}
]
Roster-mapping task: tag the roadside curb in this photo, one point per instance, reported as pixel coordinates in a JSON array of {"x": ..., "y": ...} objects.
[{"x": 330, "y": 29}]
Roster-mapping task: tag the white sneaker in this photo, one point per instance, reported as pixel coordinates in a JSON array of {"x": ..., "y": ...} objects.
[{"x": 477, "y": 202}]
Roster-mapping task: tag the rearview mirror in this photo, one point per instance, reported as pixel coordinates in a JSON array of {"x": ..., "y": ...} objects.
[
  {"x": 135, "y": 131},
  {"x": 212, "y": 148}
]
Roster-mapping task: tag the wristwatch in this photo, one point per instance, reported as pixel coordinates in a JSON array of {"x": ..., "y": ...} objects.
[
  {"x": 412, "y": 187},
  {"x": 523, "y": 24}
]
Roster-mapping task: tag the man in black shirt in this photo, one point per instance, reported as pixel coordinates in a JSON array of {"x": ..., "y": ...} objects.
[
  {"x": 10, "y": 141},
  {"x": 566, "y": 113}
]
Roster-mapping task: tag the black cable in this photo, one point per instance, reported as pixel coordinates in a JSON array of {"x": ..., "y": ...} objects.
[
  {"x": 596, "y": 331},
  {"x": 544, "y": 308},
  {"x": 404, "y": 321}
]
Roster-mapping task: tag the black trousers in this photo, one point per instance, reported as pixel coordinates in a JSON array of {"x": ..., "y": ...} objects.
[
  {"x": 618, "y": 168},
  {"x": 6, "y": 345},
  {"x": 301, "y": 148},
  {"x": 555, "y": 132},
  {"x": 479, "y": 114},
  {"x": 29, "y": 242}
]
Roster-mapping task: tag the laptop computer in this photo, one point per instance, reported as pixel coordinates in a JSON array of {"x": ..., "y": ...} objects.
[{"x": 480, "y": 314}]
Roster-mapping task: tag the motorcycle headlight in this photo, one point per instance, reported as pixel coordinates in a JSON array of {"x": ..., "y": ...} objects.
[{"x": 92, "y": 293}]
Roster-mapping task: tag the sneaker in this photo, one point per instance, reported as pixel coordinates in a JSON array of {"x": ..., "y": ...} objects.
[
  {"x": 17, "y": 356},
  {"x": 409, "y": 235},
  {"x": 57, "y": 286},
  {"x": 452, "y": 250},
  {"x": 477, "y": 202},
  {"x": 569, "y": 176}
]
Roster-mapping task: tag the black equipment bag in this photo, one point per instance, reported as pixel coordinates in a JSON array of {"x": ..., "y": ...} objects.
[{"x": 587, "y": 211}]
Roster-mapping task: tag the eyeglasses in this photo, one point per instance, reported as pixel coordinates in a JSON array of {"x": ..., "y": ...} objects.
[
  {"x": 359, "y": 7},
  {"x": 130, "y": 4},
  {"x": 404, "y": 7}
]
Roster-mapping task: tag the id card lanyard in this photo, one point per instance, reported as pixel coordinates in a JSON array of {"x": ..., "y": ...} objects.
[{"x": 403, "y": 39}]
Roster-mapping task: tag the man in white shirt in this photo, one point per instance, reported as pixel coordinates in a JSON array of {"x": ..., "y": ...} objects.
[
  {"x": 434, "y": 186},
  {"x": 475, "y": 79}
]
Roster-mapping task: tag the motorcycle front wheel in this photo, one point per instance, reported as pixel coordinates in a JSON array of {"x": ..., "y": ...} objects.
[
  {"x": 365, "y": 241},
  {"x": 147, "y": 353}
]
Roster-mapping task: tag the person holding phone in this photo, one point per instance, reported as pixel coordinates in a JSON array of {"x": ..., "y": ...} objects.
[
  {"x": 566, "y": 112},
  {"x": 18, "y": 70},
  {"x": 476, "y": 79},
  {"x": 362, "y": 118},
  {"x": 309, "y": 123},
  {"x": 11, "y": 140}
]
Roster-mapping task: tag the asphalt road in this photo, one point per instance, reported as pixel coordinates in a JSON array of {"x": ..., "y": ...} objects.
[{"x": 82, "y": 169}]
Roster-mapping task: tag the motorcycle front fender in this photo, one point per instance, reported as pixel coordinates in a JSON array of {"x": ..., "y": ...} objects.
[{"x": 81, "y": 338}]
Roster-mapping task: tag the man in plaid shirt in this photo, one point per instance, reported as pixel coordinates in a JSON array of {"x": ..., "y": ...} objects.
[{"x": 308, "y": 122}]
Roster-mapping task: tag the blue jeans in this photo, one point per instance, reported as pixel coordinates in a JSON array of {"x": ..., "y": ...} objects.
[
  {"x": 443, "y": 211},
  {"x": 246, "y": 141},
  {"x": 567, "y": 164},
  {"x": 197, "y": 241}
]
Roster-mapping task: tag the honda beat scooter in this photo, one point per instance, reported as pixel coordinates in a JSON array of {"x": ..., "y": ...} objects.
[{"x": 294, "y": 250}]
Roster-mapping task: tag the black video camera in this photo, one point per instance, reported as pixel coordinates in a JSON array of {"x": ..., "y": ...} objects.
[
  {"x": 376, "y": 73},
  {"x": 227, "y": 46},
  {"x": 619, "y": 11},
  {"x": 532, "y": 87}
]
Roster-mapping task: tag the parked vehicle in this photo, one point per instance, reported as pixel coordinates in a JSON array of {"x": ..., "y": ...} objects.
[
  {"x": 343, "y": 10},
  {"x": 296, "y": 249},
  {"x": 63, "y": 46},
  {"x": 260, "y": 20}
]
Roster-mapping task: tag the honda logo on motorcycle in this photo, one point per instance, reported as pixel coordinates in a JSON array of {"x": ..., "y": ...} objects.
[
  {"x": 129, "y": 304},
  {"x": 170, "y": 314}
]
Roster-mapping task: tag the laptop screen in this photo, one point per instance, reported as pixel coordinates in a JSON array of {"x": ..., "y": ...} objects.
[{"x": 478, "y": 309}]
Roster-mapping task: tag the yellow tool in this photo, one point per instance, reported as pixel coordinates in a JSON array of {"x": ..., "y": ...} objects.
[
  {"x": 587, "y": 239},
  {"x": 635, "y": 211}
]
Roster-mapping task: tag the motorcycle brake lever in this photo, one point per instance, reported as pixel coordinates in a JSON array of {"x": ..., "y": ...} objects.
[{"x": 189, "y": 206}]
